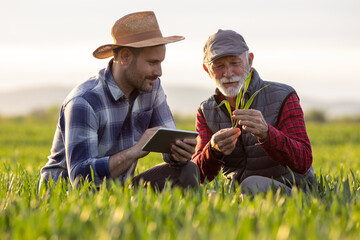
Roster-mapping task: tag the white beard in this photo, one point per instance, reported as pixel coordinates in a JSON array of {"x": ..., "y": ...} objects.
[{"x": 232, "y": 91}]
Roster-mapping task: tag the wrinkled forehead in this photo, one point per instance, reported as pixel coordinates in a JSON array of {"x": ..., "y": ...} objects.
[{"x": 230, "y": 58}]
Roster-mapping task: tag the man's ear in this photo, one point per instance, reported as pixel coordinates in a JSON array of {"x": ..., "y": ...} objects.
[
  {"x": 125, "y": 56},
  {"x": 251, "y": 58},
  {"x": 205, "y": 68}
]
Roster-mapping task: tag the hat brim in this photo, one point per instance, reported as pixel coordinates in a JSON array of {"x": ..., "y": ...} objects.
[{"x": 106, "y": 51}]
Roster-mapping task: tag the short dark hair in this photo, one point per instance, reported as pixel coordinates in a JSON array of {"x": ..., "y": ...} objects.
[{"x": 135, "y": 51}]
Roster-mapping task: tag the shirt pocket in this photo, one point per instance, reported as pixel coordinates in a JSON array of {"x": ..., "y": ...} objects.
[{"x": 141, "y": 123}]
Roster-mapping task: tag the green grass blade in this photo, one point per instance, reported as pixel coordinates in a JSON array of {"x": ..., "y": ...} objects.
[
  {"x": 222, "y": 103},
  {"x": 354, "y": 179},
  {"x": 238, "y": 98},
  {"x": 247, "y": 83},
  {"x": 227, "y": 104},
  {"x": 242, "y": 92},
  {"x": 249, "y": 102}
]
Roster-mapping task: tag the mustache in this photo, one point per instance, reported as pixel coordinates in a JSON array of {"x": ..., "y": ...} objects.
[
  {"x": 152, "y": 77},
  {"x": 230, "y": 80}
]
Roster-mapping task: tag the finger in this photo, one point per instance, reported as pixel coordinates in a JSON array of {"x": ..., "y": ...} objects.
[
  {"x": 241, "y": 112},
  {"x": 258, "y": 124},
  {"x": 250, "y": 130},
  {"x": 178, "y": 158},
  {"x": 250, "y": 112},
  {"x": 246, "y": 128},
  {"x": 180, "y": 152},
  {"x": 230, "y": 138},
  {"x": 228, "y": 149},
  {"x": 190, "y": 141},
  {"x": 250, "y": 124},
  {"x": 187, "y": 147},
  {"x": 175, "y": 157},
  {"x": 228, "y": 144},
  {"x": 243, "y": 117},
  {"x": 228, "y": 133},
  {"x": 237, "y": 132},
  {"x": 245, "y": 114},
  {"x": 150, "y": 132}
]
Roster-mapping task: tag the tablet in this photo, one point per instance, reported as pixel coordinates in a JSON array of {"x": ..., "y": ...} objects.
[{"x": 164, "y": 137}]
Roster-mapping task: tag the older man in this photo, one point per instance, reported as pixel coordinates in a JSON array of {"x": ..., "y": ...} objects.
[
  {"x": 105, "y": 121},
  {"x": 271, "y": 148}
]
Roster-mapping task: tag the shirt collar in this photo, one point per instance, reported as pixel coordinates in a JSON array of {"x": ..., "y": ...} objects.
[{"x": 113, "y": 87}]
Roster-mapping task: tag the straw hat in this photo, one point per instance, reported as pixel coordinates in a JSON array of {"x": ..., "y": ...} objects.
[{"x": 137, "y": 30}]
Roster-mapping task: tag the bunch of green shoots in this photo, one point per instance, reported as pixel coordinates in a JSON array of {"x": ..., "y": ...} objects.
[{"x": 240, "y": 99}]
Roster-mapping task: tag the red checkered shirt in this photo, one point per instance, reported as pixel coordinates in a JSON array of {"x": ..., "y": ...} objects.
[{"x": 287, "y": 143}]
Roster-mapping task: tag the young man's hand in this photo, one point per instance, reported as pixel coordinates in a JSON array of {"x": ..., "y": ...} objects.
[
  {"x": 121, "y": 161},
  {"x": 182, "y": 150},
  {"x": 144, "y": 138}
]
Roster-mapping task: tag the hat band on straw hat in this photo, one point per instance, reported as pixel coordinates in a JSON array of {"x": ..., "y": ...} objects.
[{"x": 138, "y": 37}]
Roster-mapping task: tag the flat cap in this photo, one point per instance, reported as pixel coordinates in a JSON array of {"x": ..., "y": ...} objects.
[{"x": 224, "y": 43}]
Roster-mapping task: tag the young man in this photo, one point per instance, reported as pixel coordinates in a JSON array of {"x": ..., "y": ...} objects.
[
  {"x": 272, "y": 135},
  {"x": 105, "y": 121}
]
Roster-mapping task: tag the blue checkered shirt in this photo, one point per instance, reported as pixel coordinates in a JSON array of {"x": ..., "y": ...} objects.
[{"x": 97, "y": 121}]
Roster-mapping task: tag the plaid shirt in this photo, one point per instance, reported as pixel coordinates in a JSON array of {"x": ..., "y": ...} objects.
[
  {"x": 287, "y": 143},
  {"x": 97, "y": 121}
]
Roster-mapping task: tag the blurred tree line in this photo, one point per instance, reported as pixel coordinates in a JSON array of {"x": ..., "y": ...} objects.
[
  {"x": 313, "y": 115},
  {"x": 316, "y": 115}
]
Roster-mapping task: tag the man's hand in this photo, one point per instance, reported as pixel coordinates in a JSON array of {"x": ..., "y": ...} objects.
[
  {"x": 224, "y": 140},
  {"x": 121, "y": 161},
  {"x": 144, "y": 138},
  {"x": 253, "y": 122},
  {"x": 182, "y": 150}
]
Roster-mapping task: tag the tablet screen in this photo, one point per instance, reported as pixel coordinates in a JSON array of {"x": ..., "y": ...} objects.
[{"x": 164, "y": 137}]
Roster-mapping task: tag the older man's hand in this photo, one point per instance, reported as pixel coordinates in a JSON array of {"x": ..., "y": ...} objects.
[
  {"x": 224, "y": 140},
  {"x": 253, "y": 122}
]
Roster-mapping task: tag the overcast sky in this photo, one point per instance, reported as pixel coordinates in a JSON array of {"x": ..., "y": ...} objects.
[{"x": 313, "y": 45}]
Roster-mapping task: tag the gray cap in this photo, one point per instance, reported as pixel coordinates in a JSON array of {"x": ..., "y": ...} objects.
[{"x": 224, "y": 43}]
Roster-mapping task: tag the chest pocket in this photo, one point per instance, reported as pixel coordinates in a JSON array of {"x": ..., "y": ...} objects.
[{"x": 141, "y": 123}]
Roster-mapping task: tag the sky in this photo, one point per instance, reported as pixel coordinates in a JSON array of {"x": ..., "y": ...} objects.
[{"x": 312, "y": 45}]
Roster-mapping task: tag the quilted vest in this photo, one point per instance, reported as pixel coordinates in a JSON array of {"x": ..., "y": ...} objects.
[{"x": 249, "y": 158}]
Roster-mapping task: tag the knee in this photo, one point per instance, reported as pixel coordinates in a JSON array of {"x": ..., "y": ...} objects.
[
  {"x": 190, "y": 175},
  {"x": 250, "y": 185},
  {"x": 256, "y": 184},
  {"x": 193, "y": 167}
]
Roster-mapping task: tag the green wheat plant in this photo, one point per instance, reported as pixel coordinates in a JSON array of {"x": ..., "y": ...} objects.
[
  {"x": 329, "y": 210},
  {"x": 240, "y": 99}
]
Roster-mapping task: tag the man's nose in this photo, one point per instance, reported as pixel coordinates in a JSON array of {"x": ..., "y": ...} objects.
[
  {"x": 228, "y": 71},
  {"x": 158, "y": 71}
]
